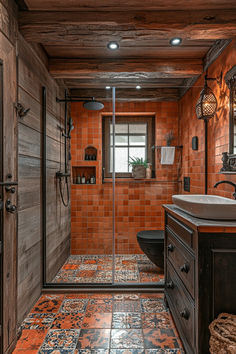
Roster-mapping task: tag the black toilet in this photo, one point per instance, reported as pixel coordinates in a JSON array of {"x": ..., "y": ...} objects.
[{"x": 151, "y": 243}]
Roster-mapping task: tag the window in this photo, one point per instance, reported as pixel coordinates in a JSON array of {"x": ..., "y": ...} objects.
[{"x": 134, "y": 137}]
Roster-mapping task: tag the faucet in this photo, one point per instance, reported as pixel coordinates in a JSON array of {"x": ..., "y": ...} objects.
[{"x": 228, "y": 182}]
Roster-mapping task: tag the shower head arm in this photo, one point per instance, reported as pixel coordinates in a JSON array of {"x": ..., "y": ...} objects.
[{"x": 75, "y": 99}]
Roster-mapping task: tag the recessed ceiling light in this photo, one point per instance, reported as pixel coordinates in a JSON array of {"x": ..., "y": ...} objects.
[
  {"x": 113, "y": 45},
  {"x": 108, "y": 87},
  {"x": 176, "y": 41},
  {"x": 138, "y": 87}
]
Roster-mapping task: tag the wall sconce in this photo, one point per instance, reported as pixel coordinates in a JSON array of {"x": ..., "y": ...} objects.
[
  {"x": 21, "y": 111},
  {"x": 206, "y": 106}
]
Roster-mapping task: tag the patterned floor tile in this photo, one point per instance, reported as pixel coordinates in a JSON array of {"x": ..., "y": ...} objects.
[
  {"x": 38, "y": 321},
  {"x": 92, "y": 351},
  {"x": 31, "y": 339},
  {"x": 126, "y": 338},
  {"x": 126, "y": 276},
  {"x": 160, "y": 338},
  {"x": 153, "y": 306},
  {"x": 101, "y": 296},
  {"x": 67, "y": 321},
  {"x": 94, "y": 339},
  {"x": 126, "y": 320},
  {"x": 128, "y": 268},
  {"x": 164, "y": 351},
  {"x": 70, "y": 266},
  {"x": 86, "y": 273},
  {"x": 73, "y": 305},
  {"x": 122, "y": 297},
  {"x": 88, "y": 267},
  {"x": 127, "y": 351},
  {"x": 126, "y": 306},
  {"x": 151, "y": 296},
  {"x": 65, "y": 339},
  {"x": 48, "y": 304},
  {"x": 22, "y": 351},
  {"x": 156, "y": 320},
  {"x": 78, "y": 296},
  {"x": 100, "y": 305},
  {"x": 57, "y": 351},
  {"x": 97, "y": 320}
]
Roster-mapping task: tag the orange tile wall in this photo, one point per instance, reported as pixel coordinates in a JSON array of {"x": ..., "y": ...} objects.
[
  {"x": 138, "y": 206},
  {"x": 218, "y": 131}
]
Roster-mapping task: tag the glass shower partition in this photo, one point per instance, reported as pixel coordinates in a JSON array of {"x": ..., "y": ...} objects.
[{"x": 79, "y": 214}]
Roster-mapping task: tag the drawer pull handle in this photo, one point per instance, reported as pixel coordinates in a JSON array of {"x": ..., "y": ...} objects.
[
  {"x": 185, "y": 314},
  {"x": 170, "y": 285},
  {"x": 170, "y": 247},
  {"x": 185, "y": 268}
]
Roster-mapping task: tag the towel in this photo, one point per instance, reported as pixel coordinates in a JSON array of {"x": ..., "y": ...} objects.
[{"x": 167, "y": 155}]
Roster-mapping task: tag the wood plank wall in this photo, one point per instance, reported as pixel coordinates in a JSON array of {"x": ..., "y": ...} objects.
[
  {"x": 8, "y": 36},
  {"x": 32, "y": 75}
]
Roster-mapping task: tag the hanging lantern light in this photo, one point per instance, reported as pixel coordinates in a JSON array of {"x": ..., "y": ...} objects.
[{"x": 207, "y": 103}]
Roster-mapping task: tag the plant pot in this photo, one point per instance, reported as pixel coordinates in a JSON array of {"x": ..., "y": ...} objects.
[{"x": 139, "y": 171}]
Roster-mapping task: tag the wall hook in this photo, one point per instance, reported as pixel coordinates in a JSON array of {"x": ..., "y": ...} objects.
[{"x": 21, "y": 110}]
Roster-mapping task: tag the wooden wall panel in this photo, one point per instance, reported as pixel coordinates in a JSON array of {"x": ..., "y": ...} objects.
[
  {"x": 9, "y": 165},
  {"x": 33, "y": 75}
]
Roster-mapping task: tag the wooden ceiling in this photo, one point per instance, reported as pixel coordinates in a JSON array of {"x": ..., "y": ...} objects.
[{"x": 75, "y": 34}]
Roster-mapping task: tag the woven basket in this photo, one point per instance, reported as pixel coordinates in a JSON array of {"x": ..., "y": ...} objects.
[{"x": 223, "y": 334}]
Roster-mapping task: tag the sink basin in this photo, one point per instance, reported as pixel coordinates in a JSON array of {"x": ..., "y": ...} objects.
[{"x": 206, "y": 206}]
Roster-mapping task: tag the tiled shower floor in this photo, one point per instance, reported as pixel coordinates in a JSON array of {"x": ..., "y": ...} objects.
[
  {"x": 98, "y": 269},
  {"x": 99, "y": 323}
]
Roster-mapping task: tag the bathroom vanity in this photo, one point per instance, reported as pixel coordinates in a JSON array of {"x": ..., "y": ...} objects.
[{"x": 200, "y": 269}]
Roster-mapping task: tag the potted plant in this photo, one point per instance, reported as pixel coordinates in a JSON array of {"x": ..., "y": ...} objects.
[{"x": 139, "y": 166}]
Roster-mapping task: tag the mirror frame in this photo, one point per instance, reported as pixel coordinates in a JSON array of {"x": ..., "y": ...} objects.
[{"x": 230, "y": 79}]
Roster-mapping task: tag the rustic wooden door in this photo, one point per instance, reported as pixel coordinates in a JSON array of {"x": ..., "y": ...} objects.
[{"x": 8, "y": 195}]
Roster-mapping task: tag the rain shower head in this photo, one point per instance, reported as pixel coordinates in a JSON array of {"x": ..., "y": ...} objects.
[{"x": 93, "y": 105}]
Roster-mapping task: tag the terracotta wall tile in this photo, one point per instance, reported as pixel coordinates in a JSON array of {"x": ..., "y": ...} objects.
[
  {"x": 138, "y": 206},
  {"x": 218, "y": 131}
]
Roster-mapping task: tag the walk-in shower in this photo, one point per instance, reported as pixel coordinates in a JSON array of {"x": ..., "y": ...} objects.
[{"x": 108, "y": 207}]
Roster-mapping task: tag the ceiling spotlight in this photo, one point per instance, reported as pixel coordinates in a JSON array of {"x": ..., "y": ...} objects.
[
  {"x": 108, "y": 87},
  {"x": 138, "y": 87},
  {"x": 113, "y": 45},
  {"x": 176, "y": 41}
]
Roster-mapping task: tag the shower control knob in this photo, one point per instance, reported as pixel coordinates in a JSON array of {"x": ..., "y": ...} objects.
[{"x": 10, "y": 208}]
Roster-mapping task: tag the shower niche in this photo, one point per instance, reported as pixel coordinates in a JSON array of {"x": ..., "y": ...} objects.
[
  {"x": 90, "y": 153},
  {"x": 84, "y": 175}
]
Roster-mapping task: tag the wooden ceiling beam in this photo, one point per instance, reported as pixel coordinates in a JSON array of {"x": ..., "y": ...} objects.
[
  {"x": 128, "y": 69},
  {"x": 125, "y": 84},
  {"x": 65, "y": 27},
  {"x": 126, "y": 95}
]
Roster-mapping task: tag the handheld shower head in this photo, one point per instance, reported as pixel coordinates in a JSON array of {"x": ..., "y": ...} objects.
[{"x": 71, "y": 127}]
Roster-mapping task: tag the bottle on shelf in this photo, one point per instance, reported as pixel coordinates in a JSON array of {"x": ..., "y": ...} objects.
[
  {"x": 83, "y": 179},
  {"x": 92, "y": 180},
  {"x": 78, "y": 179}
]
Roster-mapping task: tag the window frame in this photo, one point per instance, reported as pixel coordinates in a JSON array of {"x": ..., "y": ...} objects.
[{"x": 127, "y": 119}]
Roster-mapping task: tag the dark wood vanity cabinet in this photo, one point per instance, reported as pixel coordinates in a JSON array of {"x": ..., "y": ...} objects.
[{"x": 200, "y": 274}]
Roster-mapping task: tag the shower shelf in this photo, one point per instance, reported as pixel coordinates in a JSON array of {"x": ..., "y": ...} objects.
[{"x": 87, "y": 171}]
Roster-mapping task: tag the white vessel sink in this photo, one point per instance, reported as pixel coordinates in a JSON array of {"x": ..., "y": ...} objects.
[{"x": 206, "y": 206}]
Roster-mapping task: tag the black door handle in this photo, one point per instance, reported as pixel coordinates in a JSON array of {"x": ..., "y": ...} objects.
[{"x": 10, "y": 208}]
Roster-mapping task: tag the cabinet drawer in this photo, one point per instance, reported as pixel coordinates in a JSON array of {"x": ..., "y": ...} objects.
[
  {"x": 184, "y": 232},
  {"x": 182, "y": 260},
  {"x": 182, "y": 308}
]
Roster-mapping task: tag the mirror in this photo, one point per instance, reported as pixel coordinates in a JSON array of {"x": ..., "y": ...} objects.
[
  {"x": 229, "y": 158},
  {"x": 230, "y": 79}
]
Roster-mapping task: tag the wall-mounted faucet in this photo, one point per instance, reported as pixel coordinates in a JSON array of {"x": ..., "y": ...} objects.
[{"x": 228, "y": 182}]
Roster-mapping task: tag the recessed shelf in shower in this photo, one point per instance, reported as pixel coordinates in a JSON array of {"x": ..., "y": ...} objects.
[{"x": 84, "y": 175}]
